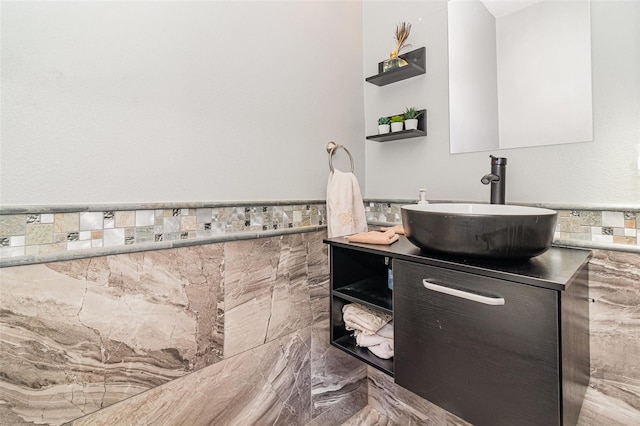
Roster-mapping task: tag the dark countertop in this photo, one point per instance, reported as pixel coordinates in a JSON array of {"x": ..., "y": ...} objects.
[{"x": 553, "y": 269}]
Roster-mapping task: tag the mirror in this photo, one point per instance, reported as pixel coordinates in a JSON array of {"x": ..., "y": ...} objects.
[{"x": 519, "y": 73}]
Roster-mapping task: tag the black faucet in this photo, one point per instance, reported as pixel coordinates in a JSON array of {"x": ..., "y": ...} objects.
[{"x": 497, "y": 179}]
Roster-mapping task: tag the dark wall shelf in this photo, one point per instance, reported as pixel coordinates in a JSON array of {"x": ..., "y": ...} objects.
[
  {"x": 404, "y": 134},
  {"x": 416, "y": 66}
]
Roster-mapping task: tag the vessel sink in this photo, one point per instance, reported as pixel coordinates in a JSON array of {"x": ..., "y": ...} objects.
[{"x": 494, "y": 231}]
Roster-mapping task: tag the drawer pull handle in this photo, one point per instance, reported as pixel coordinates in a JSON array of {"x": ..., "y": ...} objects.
[{"x": 495, "y": 301}]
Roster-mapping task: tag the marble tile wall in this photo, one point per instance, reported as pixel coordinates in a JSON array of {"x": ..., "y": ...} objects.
[
  {"x": 234, "y": 332},
  {"x": 404, "y": 407},
  {"x": 613, "y": 396},
  {"x": 266, "y": 385},
  {"x": 226, "y": 333},
  {"x": 81, "y": 335}
]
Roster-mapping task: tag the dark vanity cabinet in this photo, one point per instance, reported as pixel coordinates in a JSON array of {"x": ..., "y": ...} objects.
[{"x": 496, "y": 343}]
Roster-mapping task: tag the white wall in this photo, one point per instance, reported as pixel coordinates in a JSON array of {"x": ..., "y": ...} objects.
[
  {"x": 177, "y": 101},
  {"x": 602, "y": 171}
]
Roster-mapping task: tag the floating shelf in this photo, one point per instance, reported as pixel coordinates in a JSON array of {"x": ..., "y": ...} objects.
[
  {"x": 404, "y": 134},
  {"x": 416, "y": 65},
  {"x": 369, "y": 293},
  {"x": 348, "y": 344},
  {"x": 393, "y": 136}
]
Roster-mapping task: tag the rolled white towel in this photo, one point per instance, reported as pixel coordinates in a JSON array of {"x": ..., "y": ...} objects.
[
  {"x": 384, "y": 350},
  {"x": 386, "y": 330},
  {"x": 366, "y": 340},
  {"x": 359, "y": 317}
]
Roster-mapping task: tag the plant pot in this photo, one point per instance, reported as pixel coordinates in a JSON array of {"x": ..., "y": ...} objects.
[
  {"x": 397, "y": 127},
  {"x": 383, "y": 128},
  {"x": 411, "y": 124}
]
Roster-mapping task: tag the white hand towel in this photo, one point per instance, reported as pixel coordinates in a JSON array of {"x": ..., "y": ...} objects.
[
  {"x": 345, "y": 209},
  {"x": 384, "y": 350},
  {"x": 359, "y": 317},
  {"x": 386, "y": 331},
  {"x": 366, "y": 341}
]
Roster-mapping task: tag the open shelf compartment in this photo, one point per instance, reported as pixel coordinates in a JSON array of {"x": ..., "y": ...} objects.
[
  {"x": 358, "y": 277},
  {"x": 371, "y": 292},
  {"x": 343, "y": 339}
]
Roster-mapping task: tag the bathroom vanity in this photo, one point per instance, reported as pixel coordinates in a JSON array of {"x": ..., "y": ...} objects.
[{"x": 494, "y": 342}]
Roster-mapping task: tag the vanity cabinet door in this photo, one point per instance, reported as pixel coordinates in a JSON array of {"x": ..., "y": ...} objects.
[{"x": 481, "y": 348}]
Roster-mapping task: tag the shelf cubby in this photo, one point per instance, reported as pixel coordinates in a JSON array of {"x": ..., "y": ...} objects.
[{"x": 358, "y": 277}]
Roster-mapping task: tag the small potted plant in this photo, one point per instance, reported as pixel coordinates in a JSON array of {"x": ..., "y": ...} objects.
[
  {"x": 397, "y": 123},
  {"x": 383, "y": 125},
  {"x": 411, "y": 118}
]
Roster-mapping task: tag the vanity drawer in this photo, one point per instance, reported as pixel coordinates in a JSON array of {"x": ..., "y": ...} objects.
[{"x": 484, "y": 349}]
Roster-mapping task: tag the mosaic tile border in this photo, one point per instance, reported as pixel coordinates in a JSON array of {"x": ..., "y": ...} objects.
[
  {"x": 615, "y": 228},
  {"x": 35, "y": 234},
  {"x": 43, "y": 235}
]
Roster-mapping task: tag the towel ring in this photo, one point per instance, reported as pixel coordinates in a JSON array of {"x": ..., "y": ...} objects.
[{"x": 331, "y": 148}]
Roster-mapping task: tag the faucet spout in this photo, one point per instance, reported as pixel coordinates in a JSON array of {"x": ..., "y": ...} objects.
[{"x": 497, "y": 179}]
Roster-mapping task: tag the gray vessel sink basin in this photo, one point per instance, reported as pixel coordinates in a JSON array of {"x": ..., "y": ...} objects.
[{"x": 495, "y": 231}]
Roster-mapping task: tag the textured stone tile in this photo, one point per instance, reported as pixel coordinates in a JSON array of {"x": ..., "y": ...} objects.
[
  {"x": 401, "y": 405},
  {"x": 39, "y": 233},
  {"x": 67, "y": 222},
  {"x": 614, "y": 285},
  {"x": 13, "y": 225},
  {"x": 339, "y": 381},
  {"x": 203, "y": 215},
  {"x": 570, "y": 224},
  {"x": 268, "y": 385},
  {"x": 318, "y": 269},
  {"x": 591, "y": 218},
  {"x": 81, "y": 335},
  {"x": 624, "y": 240},
  {"x": 453, "y": 420},
  {"x": 53, "y": 248},
  {"x": 369, "y": 417},
  {"x": 187, "y": 223},
  {"x": 600, "y": 409},
  {"x": 125, "y": 218},
  {"x": 266, "y": 291}
]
